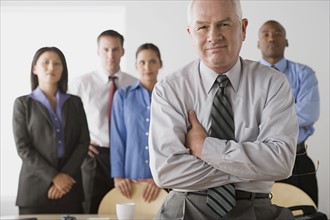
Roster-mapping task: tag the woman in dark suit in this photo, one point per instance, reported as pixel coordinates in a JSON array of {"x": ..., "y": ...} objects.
[{"x": 52, "y": 138}]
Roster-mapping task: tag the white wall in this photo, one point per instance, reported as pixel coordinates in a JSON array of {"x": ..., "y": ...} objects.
[{"x": 164, "y": 23}]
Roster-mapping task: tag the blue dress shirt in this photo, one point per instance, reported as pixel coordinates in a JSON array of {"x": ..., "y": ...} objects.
[
  {"x": 55, "y": 116},
  {"x": 304, "y": 85},
  {"x": 129, "y": 133}
]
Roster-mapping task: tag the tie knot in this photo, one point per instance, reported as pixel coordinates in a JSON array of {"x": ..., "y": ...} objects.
[
  {"x": 223, "y": 81},
  {"x": 112, "y": 78}
]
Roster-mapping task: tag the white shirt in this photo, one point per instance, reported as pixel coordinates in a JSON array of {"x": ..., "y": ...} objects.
[
  {"x": 266, "y": 129},
  {"x": 93, "y": 89}
]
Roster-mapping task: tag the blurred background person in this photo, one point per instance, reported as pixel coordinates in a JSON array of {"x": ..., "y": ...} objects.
[
  {"x": 96, "y": 90},
  {"x": 51, "y": 136},
  {"x": 130, "y": 126},
  {"x": 304, "y": 85}
]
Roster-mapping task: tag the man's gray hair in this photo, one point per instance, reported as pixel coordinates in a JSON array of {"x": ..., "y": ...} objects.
[{"x": 237, "y": 6}]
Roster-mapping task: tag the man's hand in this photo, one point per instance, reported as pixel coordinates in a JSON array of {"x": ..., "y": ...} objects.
[
  {"x": 92, "y": 150},
  {"x": 195, "y": 136},
  {"x": 124, "y": 185}
]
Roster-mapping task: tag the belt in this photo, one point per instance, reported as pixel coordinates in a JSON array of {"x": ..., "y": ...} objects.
[
  {"x": 101, "y": 149},
  {"x": 240, "y": 195},
  {"x": 301, "y": 149}
]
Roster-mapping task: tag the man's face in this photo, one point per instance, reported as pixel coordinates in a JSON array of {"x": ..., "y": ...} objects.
[
  {"x": 217, "y": 33},
  {"x": 272, "y": 41},
  {"x": 110, "y": 52}
]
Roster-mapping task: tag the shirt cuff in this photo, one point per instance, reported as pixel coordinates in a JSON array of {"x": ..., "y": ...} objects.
[{"x": 213, "y": 151}]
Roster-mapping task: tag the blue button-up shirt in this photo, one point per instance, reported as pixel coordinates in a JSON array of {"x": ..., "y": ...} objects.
[
  {"x": 304, "y": 87},
  {"x": 129, "y": 133},
  {"x": 55, "y": 116}
]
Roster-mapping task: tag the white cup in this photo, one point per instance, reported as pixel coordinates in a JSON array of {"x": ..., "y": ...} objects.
[{"x": 125, "y": 211}]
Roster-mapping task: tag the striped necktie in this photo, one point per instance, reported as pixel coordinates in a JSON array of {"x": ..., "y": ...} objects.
[{"x": 222, "y": 199}]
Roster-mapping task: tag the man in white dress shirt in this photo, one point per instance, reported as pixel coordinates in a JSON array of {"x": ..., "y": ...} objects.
[
  {"x": 93, "y": 88},
  {"x": 184, "y": 158}
]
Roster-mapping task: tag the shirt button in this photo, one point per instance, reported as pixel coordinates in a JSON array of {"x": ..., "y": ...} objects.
[
  {"x": 58, "y": 130},
  {"x": 147, "y": 119},
  {"x": 146, "y": 161},
  {"x": 147, "y": 133},
  {"x": 60, "y": 142},
  {"x": 55, "y": 119},
  {"x": 147, "y": 147},
  {"x": 148, "y": 107}
]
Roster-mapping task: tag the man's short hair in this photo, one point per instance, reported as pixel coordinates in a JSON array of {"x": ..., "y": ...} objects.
[{"x": 111, "y": 33}]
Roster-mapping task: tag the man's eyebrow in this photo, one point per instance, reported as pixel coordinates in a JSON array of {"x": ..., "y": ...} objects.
[
  {"x": 222, "y": 20},
  {"x": 201, "y": 22}
]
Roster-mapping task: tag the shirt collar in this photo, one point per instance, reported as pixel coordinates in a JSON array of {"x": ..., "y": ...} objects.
[
  {"x": 104, "y": 74},
  {"x": 136, "y": 85},
  {"x": 280, "y": 65},
  {"x": 38, "y": 95},
  {"x": 208, "y": 76}
]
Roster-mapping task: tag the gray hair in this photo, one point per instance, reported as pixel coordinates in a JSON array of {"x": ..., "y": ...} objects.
[{"x": 237, "y": 6}]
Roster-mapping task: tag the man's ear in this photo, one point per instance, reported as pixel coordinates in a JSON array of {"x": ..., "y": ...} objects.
[
  {"x": 287, "y": 43},
  {"x": 245, "y": 23}
]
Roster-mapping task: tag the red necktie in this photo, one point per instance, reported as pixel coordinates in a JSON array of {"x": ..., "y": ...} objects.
[{"x": 112, "y": 91}]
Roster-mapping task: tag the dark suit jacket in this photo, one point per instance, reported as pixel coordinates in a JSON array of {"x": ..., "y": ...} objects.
[{"x": 35, "y": 139}]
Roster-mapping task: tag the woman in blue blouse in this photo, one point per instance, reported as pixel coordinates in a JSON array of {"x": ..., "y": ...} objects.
[
  {"x": 130, "y": 125},
  {"x": 52, "y": 138}
]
